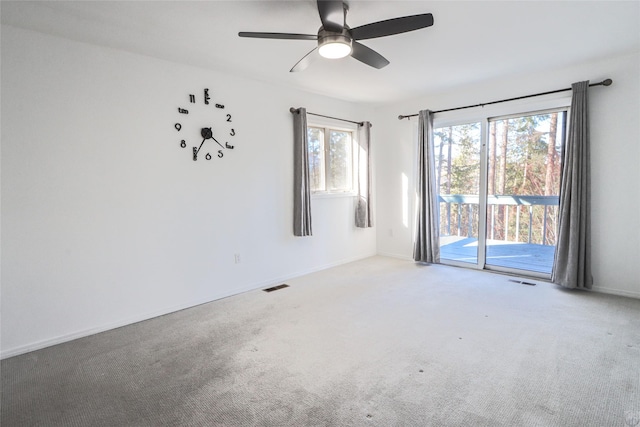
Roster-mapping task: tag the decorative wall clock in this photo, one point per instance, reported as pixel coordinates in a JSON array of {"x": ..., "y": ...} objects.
[{"x": 206, "y": 127}]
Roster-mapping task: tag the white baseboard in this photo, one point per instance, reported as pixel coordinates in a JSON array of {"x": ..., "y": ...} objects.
[
  {"x": 314, "y": 269},
  {"x": 600, "y": 289},
  {"x": 16, "y": 351},
  {"x": 612, "y": 291},
  {"x": 398, "y": 256},
  {"x": 37, "y": 345}
]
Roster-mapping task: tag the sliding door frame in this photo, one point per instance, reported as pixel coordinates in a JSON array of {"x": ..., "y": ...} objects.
[{"x": 484, "y": 116}]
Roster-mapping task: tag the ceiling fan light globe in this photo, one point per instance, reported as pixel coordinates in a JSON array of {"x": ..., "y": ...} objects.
[
  {"x": 335, "y": 50},
  {"x": 334, "y": 45}
]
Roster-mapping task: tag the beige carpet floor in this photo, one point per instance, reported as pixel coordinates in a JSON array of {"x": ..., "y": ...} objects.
[{"x": 378, "y": 342}]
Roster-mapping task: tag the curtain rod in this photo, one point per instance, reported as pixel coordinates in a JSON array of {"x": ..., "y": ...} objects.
[
  {"x": 606, "y": 82},
  {"x": 297, "y": 110}
]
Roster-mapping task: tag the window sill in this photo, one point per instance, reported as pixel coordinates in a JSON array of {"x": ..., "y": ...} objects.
[{"x": 328, "y": 195}]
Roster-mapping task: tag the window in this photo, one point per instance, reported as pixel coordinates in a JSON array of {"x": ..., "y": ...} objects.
[{"x": 330, "y": 159}]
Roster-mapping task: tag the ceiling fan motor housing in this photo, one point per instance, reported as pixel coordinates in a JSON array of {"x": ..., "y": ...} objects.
[{"x": 331, "y": 37}]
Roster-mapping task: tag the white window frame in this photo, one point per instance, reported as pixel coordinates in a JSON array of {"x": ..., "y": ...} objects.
[{"x": 328, "y": 125}]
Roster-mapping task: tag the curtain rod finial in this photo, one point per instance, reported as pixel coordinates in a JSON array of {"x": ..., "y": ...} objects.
[
  {"x": 607, "y": 82},
  {"x": 400, "y": 117},
  {"x": 293, "y": 110}
]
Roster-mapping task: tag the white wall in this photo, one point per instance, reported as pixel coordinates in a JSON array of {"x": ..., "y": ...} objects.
[
  {"x": 106, "y": 221},
  {"x": 615, "y": 148}
]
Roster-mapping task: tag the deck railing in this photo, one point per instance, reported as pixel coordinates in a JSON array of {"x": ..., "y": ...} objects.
[{"x": 502, "y": 223}]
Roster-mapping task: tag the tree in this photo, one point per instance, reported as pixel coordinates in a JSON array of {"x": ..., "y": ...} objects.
[
  {"x": 549, "y": 188},
  {"x": 501, "y": 178},
  {"x": 464, "y": 145},
  {"x": 552, "y": 178},
  {"x": 491, "y": 184}
]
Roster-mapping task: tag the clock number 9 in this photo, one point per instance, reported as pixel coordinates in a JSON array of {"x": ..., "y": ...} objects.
[
  {"x": 178, "y": 126},
  {"x": 228, "y": 117}
]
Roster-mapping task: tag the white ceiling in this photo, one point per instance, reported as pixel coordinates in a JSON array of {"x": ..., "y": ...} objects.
[{"x": 469, "y": 41}]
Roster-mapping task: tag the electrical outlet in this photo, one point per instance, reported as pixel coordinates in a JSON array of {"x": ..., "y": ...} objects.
[{"x": 236, "y": 258}]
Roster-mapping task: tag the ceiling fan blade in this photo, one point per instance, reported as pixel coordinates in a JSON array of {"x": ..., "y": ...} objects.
[
  {"x": 305, "y": 61},
  {"x": 331, "y": 14},
  {"x": 368, "y": 56},
  {"x": 392, "y": 26},
  {"x": 287, "y": 36}
]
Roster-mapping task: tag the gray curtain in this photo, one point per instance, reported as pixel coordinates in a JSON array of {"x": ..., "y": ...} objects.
[
  {"x": 301, "y": 188},
  {"x": 363, "y": 204},
  {"x": 572, "y": 261},
  {"x": 427, "y": 246}
]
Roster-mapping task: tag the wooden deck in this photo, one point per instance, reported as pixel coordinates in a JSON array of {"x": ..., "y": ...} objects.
[{"x": 521, "y": 256}]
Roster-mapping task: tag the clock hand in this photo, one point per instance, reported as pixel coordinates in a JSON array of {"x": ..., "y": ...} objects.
[
  {"x": 217, "y": 142},
  {"x": 208, "y": 134},
  {"x": 200, "y": 145}
]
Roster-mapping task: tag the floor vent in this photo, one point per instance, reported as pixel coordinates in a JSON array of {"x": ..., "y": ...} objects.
[
  {"x": 522, "y": 282},
  {"x": 275, "y": 288}
]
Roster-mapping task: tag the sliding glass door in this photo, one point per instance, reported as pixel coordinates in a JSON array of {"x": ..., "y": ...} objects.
[
  {"x": 457, "y": 151},
  {"x": 523, "y": 184},
  {"x": 499, "y": 185}
]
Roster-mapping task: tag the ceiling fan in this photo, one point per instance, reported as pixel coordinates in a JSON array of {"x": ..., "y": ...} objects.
[{"x": 336, "y": 40}]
